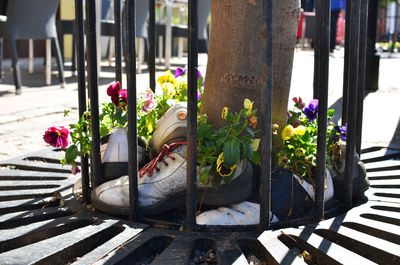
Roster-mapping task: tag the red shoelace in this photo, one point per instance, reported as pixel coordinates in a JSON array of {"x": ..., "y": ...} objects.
[{"x": 166, "y": 151}]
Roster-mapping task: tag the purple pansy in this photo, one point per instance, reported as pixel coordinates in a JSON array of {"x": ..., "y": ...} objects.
[
  {"x": 342, "y": 130},
  {"x": 181, "y": 71},
  {"x": 312, "y": 110}
]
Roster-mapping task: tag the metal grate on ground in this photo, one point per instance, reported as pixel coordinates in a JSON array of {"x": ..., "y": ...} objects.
[{"x": 41, "y": 222}]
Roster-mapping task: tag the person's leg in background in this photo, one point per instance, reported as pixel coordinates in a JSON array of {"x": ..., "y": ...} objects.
[{"x": 334, "y": 19}]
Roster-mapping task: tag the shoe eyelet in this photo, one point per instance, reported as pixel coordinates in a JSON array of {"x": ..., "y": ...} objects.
[{"x": 182, "y": 116}]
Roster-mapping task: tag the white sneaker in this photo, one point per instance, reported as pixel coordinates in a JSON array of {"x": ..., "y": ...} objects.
[
  {"x": 114, "y": 154},
  {"x": 170, "y": 128},
  {"x": 162, "y": 186},
  {"x": 244, "y": 213}
]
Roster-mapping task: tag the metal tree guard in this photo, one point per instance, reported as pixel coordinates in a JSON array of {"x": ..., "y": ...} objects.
[{"x": 353, "y": 88}]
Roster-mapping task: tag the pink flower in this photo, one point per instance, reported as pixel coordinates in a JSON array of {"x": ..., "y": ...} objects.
[
  {"x": 123, "y": 97},
  {"x": 57, "y": 136},
  {"x": 149, "y": 103},
  {"x": 299, "y": 102},
  {"x": 75, "y": 169},
  {"x": 113, "y": 91}
]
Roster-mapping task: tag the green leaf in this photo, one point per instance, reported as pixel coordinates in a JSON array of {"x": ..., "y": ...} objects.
[
  {"x": 104, "y": 131},
  {"x": 204, "y": 177},
  {"x": 256, "y": 159},
  {"x": 70, "y": 154},
  {"x": 247, "y": 150},
  {"x": 250, "y": 131},
  {"x": 331, "y": 112},
  {"x": 203, "y": 131},
  {"x": 290, "y": 147},
  {"x": 231, "y": 152}
]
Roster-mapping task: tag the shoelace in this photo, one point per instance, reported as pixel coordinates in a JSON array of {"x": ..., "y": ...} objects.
[{"x": 166, "y": 151}]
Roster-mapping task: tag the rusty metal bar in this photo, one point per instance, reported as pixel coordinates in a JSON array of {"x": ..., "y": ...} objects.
[
  {"x": 117, "y": 35},
  {"x": 324, "y": 34},
  {"x": 130, "y": 60},
  {"x": 152, "y": 44},
  {"x": 192, "y": 116},
  {"x": 93, "y": 83},
  {"x": 346, "y": 63},
  {"x": 80, "y": 50},
  {"x": 352, "y": 100},
  {"x": 361, "y": 72},
  {"x": 266, "y": 120}
]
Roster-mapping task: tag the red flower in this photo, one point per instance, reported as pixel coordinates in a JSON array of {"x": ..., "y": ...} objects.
[
  {"x": 57, "y": 136},
  {"x": 113, "y": 91},
  {"x": 123, "y": 97}
]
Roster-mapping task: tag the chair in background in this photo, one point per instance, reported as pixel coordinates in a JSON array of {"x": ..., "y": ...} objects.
[{"x": 27, "y": 19}]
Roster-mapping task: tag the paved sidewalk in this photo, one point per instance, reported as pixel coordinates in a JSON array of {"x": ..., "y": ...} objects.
[{"x": 23, "y": 119}]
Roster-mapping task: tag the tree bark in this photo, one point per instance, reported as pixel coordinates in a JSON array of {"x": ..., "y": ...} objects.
[{"x": 234, "y": 69}]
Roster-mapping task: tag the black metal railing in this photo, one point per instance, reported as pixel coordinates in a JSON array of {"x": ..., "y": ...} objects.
[{"x": 353, "y": 89}]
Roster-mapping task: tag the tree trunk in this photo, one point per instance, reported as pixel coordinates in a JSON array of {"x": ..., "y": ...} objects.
[{"x": 234, "y": 69}]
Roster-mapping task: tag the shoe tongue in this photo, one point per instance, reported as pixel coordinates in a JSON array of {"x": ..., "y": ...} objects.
[{"x": 181, "y": 150}]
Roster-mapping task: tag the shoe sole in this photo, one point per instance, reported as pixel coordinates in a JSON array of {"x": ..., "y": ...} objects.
[{"x": 235, "y": 191}]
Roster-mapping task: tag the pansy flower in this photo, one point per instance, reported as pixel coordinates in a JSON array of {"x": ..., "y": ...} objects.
[
  {"x": 342, "y": 130},
  {"x": 75, "y": 169},
  {"x": 248, "y": 105},
  {"x": 287, "y": 132},
  {"x": 123, "y": 97},
  {"x": 113, "y": 91},
  {"x": 150, "y": 103},
  {"x": 224, "y": 113},
  {"x": 181, "y": 71},
  {"x": 312, "y": 110},
  {"x": 299, "y": 102},
  {"x": 57, "y": 136},
  {"x": 222, "y": 169}
]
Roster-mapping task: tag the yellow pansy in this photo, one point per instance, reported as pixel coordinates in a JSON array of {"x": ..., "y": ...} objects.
[
  {"x": 287, "y": 132},
  {"x": 224, "y": 113},
  {"x": 300, "y": 130},
  {"x": 168, "y": 77},
  {"x": 248, "y": 105},
  {"x": 223, "y": 170}
]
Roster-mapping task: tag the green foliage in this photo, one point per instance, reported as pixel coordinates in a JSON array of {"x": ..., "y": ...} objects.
[
  {"x": 300, "y": 151},
  {"x": 219, "y": 151}
]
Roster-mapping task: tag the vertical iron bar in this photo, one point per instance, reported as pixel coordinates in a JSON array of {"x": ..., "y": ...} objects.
[
  {"x": 152, "y": 44},
  {"x": 266, "y": 122},
  {"x": 317, "y": 45},
  {"x": 351, "y": 118},
  {"x": 361, "y": 72},
  {"x": 117, "y": 36},
  {"x": 324, "y": 34},
  {"x": 93, "y": 83},
  {"x": 192, "y": 117},
  {"x": 346, "y": 66},
  {"x": 79, "y": 44},
  {"x": 130, "y": 60}
]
